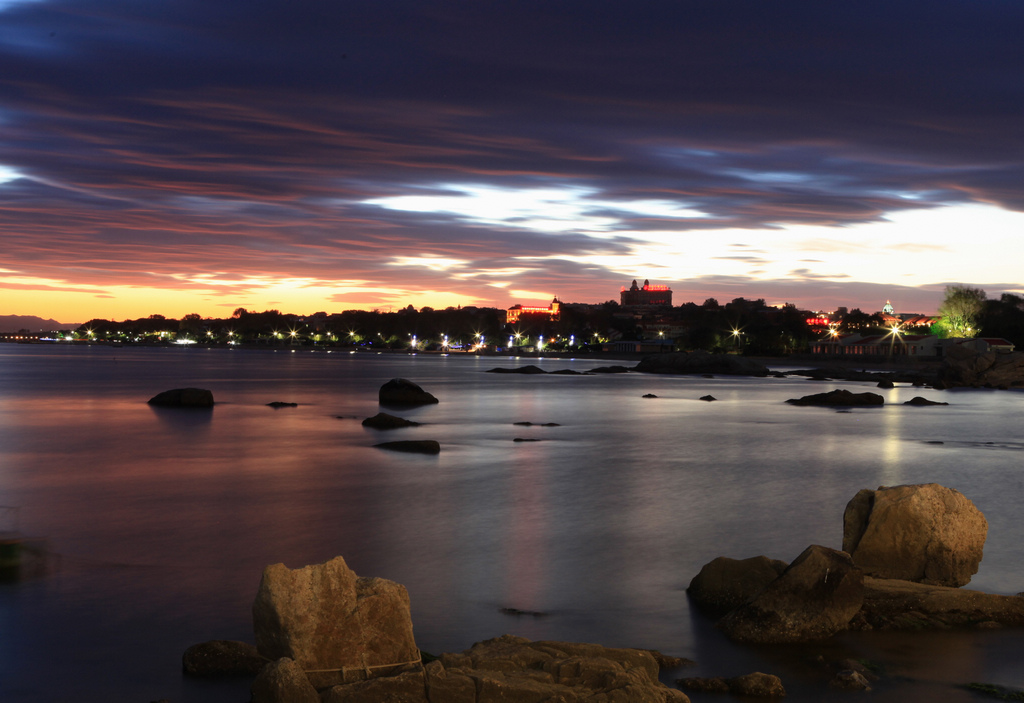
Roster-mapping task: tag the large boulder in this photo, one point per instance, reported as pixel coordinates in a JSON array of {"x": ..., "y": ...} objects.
[
  {"x": 333, "y": 623},
  {"x": 184, "y": 398},
  {"x": 926, "y": 533},
  {"x": 402, "y": 392},
  {"x": 963, "y": 366},
  {"x": 701, "y": 362},
  {"x": 813, "y": 599},
  {"x": 840, "y": 398},
  {"x": 724, "y": 584}
]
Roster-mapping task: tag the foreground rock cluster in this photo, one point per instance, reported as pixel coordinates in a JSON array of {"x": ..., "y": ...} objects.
[
  {"x": 325, "y": 635},
  {"x": 907, "y": 551}
]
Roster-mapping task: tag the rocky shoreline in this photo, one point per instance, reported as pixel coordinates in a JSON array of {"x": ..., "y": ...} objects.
[{"x": 325, "y": 635}]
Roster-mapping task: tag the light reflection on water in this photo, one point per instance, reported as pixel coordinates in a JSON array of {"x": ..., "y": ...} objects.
[{"x": 165, "y": 519}]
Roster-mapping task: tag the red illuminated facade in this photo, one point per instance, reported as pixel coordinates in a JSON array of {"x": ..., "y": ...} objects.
[
  {"x": 516, "y": 311},
  {"x": 648, "y": 296}
]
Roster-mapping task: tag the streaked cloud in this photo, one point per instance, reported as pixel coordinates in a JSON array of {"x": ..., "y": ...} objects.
[{"x": 373, "y": 153}]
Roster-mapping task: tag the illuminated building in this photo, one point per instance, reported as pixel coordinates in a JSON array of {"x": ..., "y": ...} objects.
[
  {"x": 517, "y": 311},
  {"x": 648, "y": 296}
]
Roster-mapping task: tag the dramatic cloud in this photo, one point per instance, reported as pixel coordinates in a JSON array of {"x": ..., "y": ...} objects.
[{"x": 329, "y": 155}]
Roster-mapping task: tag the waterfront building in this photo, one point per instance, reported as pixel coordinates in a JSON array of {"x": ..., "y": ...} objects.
[
  {"x": 648, "y": 296},
  {"x": 552, "y": 311}
]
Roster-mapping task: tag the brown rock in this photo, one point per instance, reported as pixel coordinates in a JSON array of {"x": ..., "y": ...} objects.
[
  {"x": 716, "y": 684},
  {"x": 926, "y": 533},
  {"x": 724, "y": 584},
  {"x": 326, "y": 618},
  {"x": 283, "y": 681},
  {"x": 757, "y": 684},
  {"x": 448, "y": 686},
  {"x": 892, "y": 604},
  {"x": 222, "y": 658},
  {"x": 963, "y": 366},
  {"x": 814, "y": 598},
  {"x": 511, "y": 668},
  {"x": 408, "y": 687},
  {"x": 850, "y": 680}
]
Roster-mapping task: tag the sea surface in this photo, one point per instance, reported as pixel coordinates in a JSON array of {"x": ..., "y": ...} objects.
[{"x": 160, "y": 521}]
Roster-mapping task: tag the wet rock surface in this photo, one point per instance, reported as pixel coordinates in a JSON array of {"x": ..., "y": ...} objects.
[
  {"x": 814, "y": 598},
  {"x": 403, "y": 392},
  {"x": 412, "y": 446},
  {"x": 385, "y": 421},
  {"x": 839, "y": 398},
  {"x": 184, "y": 398}
]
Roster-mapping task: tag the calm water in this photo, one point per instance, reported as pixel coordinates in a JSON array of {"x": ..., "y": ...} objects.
[{"x": 163, "y": 520}]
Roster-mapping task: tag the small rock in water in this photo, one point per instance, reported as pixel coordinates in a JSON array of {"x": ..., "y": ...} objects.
[
  {"x": 400, "y": 391},
  {"x": 918, "y": 400},
  {"x": 184, "y": 398},
  {"x": 649, "y": 395},
  {"x": 517, "y": 612},
  {"x": 708, "y": 398},
  {"x": 281, "y": 404},
  {"x": 850, "y": 680},
  {"x": 222, "y": 658},
  {"x": 524, "y": 439},
  {"x": 384, "y": 421},
  {"x": 413, "y": 446}
]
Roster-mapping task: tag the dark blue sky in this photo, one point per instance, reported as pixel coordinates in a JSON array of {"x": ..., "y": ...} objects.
[{"x": 195, "y": 156}]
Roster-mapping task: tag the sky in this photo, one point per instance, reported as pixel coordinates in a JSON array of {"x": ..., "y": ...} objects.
[{"x": 196, "y": 156}]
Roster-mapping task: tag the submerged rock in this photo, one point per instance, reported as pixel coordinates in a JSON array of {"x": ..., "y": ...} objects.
[
  {"x": 384, "y": 421},
  {"x": 756, "y": 685},
  {"x": 400, "y": 391},
  {"x": 184, "y": 398},
  {"x": 918, "y": 400},
  {"x": 412, "y": 446},
  {"x": 528, "y": 370},
  {"x": 926, "y": 533},
  {"x": 839, "y": 398},
  {"x": 281, "y": 404},
  {"x": 222, "y": 658}
]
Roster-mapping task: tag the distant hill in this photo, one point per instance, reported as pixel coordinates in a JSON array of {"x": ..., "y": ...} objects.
[{"x": 13, "y": 323}]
